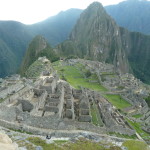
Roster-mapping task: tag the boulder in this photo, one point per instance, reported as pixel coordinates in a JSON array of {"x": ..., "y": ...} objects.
[{"x": 6, "y": 143}]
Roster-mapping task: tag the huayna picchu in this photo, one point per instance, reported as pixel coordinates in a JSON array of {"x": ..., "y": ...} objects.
[{"x": 96, "y": 36}]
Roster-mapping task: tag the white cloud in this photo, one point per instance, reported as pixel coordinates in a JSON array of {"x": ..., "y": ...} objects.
[{"x": 31, "y": 11}]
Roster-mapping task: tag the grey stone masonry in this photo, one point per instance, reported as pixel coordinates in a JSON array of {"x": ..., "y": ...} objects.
[
  {"x": 54, "y": 102},
  {"x": 47, "y": 103},
  {"x": 77, "y": 93},
  {"x": 10, "y": 90},
  {"x": 84, "y": 110},
  {"x": 68, "y": 102},
  {"x": 49, "y": 85}
]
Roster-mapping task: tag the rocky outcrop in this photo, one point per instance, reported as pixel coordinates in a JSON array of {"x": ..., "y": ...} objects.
[
  {"x": 6, "y": 143},
  {"x": 38, "y": 47}
]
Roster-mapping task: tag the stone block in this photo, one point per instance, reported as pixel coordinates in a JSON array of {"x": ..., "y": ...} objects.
[
  {"x": 84, "y": 111},
  {"x": 53, "y": 104},
  {"x": 37, "y": 92},
  {"x": 51, "y": 109},
  {"x": 68, "y": 104},
  {"x": 85, "y": 118},
  {"x": 46, "y": 73},
  {"x": 84, "y": 105},
  {"x": 26, "y": 105},
  {"x": 69, "y": 113}
]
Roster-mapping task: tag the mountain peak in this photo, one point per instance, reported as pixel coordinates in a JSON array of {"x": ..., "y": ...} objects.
[
  {"x": 38, "y": 47},
  {"x": 95, "y": 7},
  {"x": 40, "y": 43},
  {"x": 97, "y": 37},
  {"x": 95, "y": 4}
]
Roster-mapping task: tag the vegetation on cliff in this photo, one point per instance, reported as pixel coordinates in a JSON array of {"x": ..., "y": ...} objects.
[{"x": 37, "y": 48}]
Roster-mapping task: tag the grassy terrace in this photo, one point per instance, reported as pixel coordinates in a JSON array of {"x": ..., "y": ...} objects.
[
  {"x": 75, "y": 75},
  {"x": 35, "y": 69},
  {"x": 137, "y": 116},
  {"x": 135, "y": 145},
  {"x": 117, "y": 101},
  {"x": 81, "y": 144},
  {"x": 137, "y": 127},
  {"x": 96, "y": 119}
]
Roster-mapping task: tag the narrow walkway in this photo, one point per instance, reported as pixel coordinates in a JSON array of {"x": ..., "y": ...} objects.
[{"x": 139, "y": 137}]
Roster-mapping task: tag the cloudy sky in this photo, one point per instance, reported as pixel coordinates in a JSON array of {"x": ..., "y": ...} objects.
[{"x": 32, "y": 11}]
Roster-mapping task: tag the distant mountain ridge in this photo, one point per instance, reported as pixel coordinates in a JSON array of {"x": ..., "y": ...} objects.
[
  {"x": 15, "y": 37},
  {"x": 132, "y": 14},
  {"x": 56, "y": 29}
]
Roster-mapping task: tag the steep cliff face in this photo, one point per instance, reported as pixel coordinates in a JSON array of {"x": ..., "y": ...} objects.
[
  {"x": 37, "y": 48},
  {"x": 7, "y": 60},
  {"x": 13, "y": 41},
  {"x": 139, "y": 56},
  {"x": 96, "y": 36}
]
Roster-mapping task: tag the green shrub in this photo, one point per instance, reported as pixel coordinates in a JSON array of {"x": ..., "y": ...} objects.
[
  {"x": 1, "y": 100},
  {"x": 88, "y": 73},
  {"x": 147, "y": 99}
]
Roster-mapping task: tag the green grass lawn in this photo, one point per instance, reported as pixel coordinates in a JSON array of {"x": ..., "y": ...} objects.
[
  {"x": 148, "y": 100},
  {"x": 117, "y": 101},
  {"x": 137, "y": 116},
  {"x": 36, "y": 68},
  {"x": 137, "y": 127},
  {"x": 81, "y": 144},
  {"x": 39, "y": 142},
  {"x": 1, "y": 100},
  {"x": 76, "y": 78},
  {"x": 96, "y": 119},
  {"x": 135, "y": 145}
]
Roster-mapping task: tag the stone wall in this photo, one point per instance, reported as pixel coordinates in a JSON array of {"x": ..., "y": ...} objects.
[
  {"x": 121, "y": 130},
  {"x": 17, "y": 95},
  {"x": 84, "y": 109}
]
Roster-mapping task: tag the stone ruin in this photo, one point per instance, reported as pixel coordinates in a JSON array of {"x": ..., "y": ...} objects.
[
  {"x": 9, "y": 86},
  {"x": 84, "y": 110},
  {"x": 129, "y": 87},
  {"x": 45, "y": 103},
  {"x": 51, "y": 103}
]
